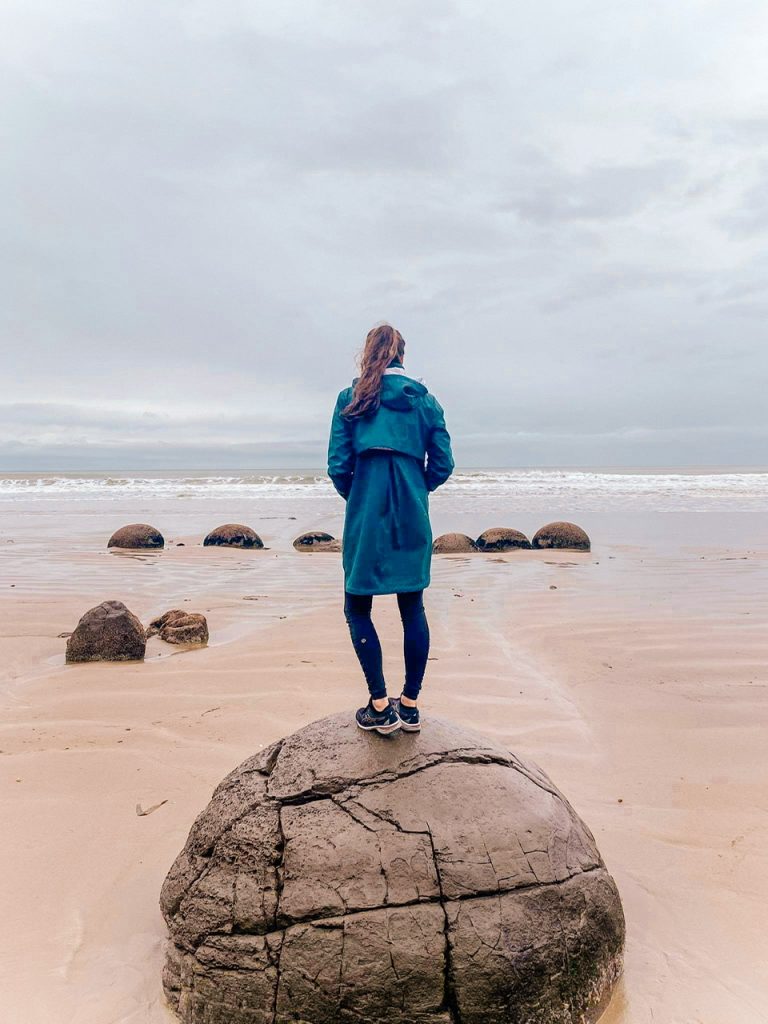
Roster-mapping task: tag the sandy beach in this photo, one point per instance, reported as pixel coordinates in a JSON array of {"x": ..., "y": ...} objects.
[{"x": 635, "y": 675}]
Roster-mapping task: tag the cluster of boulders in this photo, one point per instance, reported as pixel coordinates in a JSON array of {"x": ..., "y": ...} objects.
[
  {"x": 230, "y": 535},
  {"x": 499, "y": 538},
  {"x": 141, "y": 535},
  {"x": 566, "y": 536},
  {"x": 431, "y": 877},
  {"x": 111, "y": 632}
]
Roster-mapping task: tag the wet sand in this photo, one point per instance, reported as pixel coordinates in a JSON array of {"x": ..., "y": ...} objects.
[{"x": 638, "y": 683}]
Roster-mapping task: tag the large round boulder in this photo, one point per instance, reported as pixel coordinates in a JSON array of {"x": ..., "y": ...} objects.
[
  {"x": 180, "y": 627},
  {"x": 430, "y": 877},
  {"x": 234, "y": 535},
  {"x": 561, "y": 535},
  {"x": 453, "y": 544},
  {"x": 136, "y": 535},
  {"x": 502, "y": 538},
  {"x": 108, "y": 632},
  {"x": 317, "y": 541}
]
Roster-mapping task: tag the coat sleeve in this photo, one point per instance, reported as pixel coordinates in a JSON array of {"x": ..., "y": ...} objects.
[
  {"x": 341, "y": 449},
  {"x": 439, "y": 455}
]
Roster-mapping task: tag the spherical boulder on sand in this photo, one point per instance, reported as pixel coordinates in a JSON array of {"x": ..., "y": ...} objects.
[
  {"x": 234, "y": 535},
  {"x": 317, "y": 541},
  {"x": 502, "y": 538},
  {"x": 452, "y": 544},
  {"x": 561, "y": 535},
  {"x": 433, "y": 877},
  {"x": 180, "y": 627},
  {"x": 136, "y": 535},
  {"x": 108, "y": 632}
]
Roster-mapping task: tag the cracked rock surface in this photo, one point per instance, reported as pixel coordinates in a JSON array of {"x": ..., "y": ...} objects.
[{"x": 428, "y": 878}]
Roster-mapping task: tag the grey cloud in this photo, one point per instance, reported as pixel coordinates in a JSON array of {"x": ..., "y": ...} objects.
[
  {"x": 751, "y": 311},
  {"x": 743, "y": 130},
  {"x": 614, "y": 279},
  {"x": 750, "y": 217},
  {"x": 21, "y": 456},
  {"x": 598, "y": 193},
  {"x": 207, "y": 206},
  {"x": 136, "y": 423},
  {"x": 392, "y": 136}
]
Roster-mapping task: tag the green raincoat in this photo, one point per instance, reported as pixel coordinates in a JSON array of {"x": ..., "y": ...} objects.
[{"x": 384, "y": 465}]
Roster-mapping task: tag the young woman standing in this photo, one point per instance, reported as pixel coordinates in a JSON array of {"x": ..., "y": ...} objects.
[{"x": 388, "y": 449}]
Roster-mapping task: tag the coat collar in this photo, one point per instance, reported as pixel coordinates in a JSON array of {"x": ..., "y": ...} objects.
[{"x": 397, "y": 369}]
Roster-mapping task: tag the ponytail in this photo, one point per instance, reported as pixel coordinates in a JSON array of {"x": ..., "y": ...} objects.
[{"x": 382, "y": 345}]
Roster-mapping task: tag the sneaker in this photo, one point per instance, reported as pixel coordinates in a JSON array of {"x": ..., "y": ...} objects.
[
  {"x": 383, "y": 722},
  {"x": 409, "y": 717}
]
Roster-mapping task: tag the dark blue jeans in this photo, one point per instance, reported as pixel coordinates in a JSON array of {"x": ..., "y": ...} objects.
[{"x": 365, "y": 640}]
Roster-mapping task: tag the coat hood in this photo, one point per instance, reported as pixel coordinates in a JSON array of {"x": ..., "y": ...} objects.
[{"x": 399, "y": 391}]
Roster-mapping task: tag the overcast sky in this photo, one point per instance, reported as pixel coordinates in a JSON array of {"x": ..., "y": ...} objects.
[{"x": 205, "y": 206}]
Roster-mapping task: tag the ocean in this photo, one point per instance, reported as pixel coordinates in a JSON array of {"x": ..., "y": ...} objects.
[
  {"x": 589, "y": 488},
  {"x": 663, "y": 511}
]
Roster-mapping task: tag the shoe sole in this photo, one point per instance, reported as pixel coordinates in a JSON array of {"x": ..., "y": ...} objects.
[
  {"x": 407, "y": 727},
  {"x": 383, "y": 730}
]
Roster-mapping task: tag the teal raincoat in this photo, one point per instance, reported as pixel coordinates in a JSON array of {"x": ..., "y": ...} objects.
[{"x": 384, "y": 465}]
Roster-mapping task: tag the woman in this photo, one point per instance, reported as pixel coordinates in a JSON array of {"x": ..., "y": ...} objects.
[{"x": 388, "y": 449}]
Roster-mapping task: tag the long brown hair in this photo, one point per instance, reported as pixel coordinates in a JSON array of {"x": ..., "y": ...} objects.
[{"x": 382, "y": 345}]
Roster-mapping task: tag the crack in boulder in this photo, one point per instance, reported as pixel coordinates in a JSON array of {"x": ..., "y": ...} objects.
[
  {"x": 332, "y": 786},
  {"x": 446, "y": 885},
  {"x": 449, "y": 988}
]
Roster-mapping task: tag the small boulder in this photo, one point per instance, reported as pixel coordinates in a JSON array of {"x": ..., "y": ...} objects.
[
  {"x": 501, "y": 538},
  {"x": 108, "y": 632},
  {"x": 317, "y": 541},
  {"x": 453, "y": 543},
  {"x": 234, "y": 535},
  {"x": 179, "y": 627},
  {"x": 136, "y": 535},
  {"x": 561, "y": 535}
]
